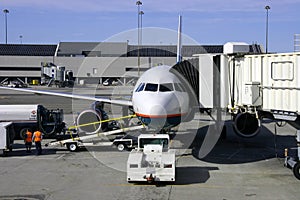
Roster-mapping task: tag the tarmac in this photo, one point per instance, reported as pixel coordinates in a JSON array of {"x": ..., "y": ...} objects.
[{"x": 233, "y": 168}]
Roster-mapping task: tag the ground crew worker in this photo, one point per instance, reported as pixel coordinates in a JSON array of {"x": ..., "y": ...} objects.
[
  {"x": 28, "y": 140},
  {"x": 37, "y": 138}
]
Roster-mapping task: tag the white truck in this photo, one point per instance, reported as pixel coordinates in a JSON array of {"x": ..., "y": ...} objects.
[
  {"x": 6, "y": 141},
  {"x": 152, "y": 160},
  {"x": 32, "y": 117}
]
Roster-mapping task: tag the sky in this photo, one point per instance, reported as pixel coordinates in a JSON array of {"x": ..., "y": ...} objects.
[{"x": 206, "y": 22}]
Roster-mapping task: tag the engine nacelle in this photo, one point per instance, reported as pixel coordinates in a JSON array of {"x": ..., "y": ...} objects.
[
  {"x": 88, "y": 121},
  {"x": 246, "y": 125}
]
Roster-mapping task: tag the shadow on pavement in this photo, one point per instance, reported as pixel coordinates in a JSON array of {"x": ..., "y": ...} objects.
[
  {"x": 20, "y": 151},
  {"x": 235, "y": 149},
  {"x": 192, "y": 175}
]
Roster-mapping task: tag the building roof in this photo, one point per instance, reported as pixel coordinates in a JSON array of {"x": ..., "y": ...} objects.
[
  {"x": 92, "y": 49},
  {"x": 171, "y": 50},
  {"x": 117, "y": 49},
  {"x": 27, "y": 50},
  {"x": 109, "y": 49},
  {"x": 151, "y": 51}
]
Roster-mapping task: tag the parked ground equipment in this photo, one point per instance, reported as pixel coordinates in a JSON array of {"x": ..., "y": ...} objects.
[
  {"x": 57, "y": 75},
  {"x": 292, "y": 158},
  {"x": 126, "y": 142},
  {"x": 76, "y": 142},
  {"x": 32, "y": 117},
  {"x": 152, "y": 161},
  {"x": 6, "y": 133}
]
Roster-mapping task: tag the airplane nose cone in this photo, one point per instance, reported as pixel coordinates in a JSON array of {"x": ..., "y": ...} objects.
[
  {"x": 159, "y": 116},
  {"x": 159, "y": 111}
]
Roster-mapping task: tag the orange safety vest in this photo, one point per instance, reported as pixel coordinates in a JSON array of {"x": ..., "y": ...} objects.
[
  {"x": 28, "y": 136},
  {"x": 37, "y": 136}
]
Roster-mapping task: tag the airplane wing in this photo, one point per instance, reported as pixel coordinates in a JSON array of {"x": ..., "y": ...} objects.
[{"x": 74, "y": 96}]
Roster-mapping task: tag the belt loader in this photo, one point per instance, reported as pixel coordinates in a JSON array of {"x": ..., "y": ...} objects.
[{"x": 73, "y": 144}]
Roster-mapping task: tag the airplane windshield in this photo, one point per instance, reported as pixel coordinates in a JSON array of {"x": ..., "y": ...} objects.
[
  {"x": 141, "y": 87},
  {"x": 166, "y": 87},
  {"x": 151, "y": 87}
]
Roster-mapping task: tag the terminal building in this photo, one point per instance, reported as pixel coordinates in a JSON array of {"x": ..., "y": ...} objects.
[{"x": 93, "y": 62}]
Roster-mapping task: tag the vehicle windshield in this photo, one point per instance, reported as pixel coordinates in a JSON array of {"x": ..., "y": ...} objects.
[{"x": 160, "y": 141}]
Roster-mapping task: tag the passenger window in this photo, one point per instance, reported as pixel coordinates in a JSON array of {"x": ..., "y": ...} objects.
[
  {"x": 178, "y": 87},
  {"x": 151, "y": 87},
  {"x": 141, "y": 87},
  {"x": 166, "y": 87}
]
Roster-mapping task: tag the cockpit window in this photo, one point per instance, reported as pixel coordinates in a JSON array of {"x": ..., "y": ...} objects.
[
  {"x": 178, "y": 87},
  {"x": 166, "y": 87},
  {"x": 140, "y": 88},
  {"x": 151, "y": 87}
]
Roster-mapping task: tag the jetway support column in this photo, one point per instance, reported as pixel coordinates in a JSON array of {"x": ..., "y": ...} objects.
[{"x": 220, "y": 128}]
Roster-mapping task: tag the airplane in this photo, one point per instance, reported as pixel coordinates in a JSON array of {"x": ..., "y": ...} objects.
[{"x": 159, "y": 99}]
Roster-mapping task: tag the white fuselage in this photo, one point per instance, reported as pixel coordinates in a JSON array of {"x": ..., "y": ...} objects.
[{"x": 159, "y": 99}]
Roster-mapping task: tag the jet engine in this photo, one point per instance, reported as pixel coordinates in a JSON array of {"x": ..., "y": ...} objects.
[
  {"x": 89, "y": 121},
  {"x": 246, "y": 125}
]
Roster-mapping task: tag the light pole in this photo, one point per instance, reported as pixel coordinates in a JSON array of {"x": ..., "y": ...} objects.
[
  {"x": 5, "y": 13},
  {"x": 267, "y": 26},
  {"x": 21, "y": 37},
  {"x": 139, "y": 3},
  {"x": 141, "y": 34}
]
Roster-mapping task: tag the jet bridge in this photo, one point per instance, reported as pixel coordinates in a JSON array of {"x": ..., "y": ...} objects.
[{"x": 204, "y": 77}]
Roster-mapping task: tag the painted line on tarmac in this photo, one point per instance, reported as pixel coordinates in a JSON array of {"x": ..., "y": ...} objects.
[
  {"x": 61, "y": 156},
  {"x": 188, "y": 185}
]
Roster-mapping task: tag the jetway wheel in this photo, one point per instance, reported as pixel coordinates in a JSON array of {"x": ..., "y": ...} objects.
[
  {"x": 72, "y": 146},
  {"x": 296, "y": 170}
]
